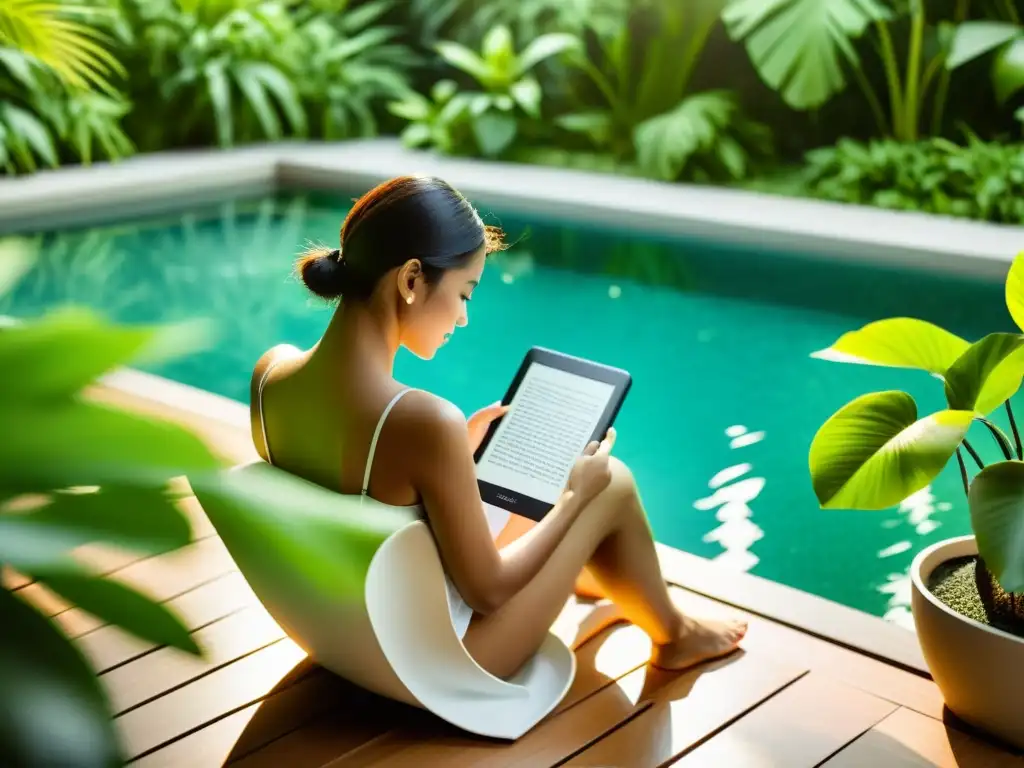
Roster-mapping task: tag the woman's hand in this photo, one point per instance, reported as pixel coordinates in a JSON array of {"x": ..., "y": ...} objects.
[
  {"x": 480, "y": 421},
  {"x": 591, "y": 474}
]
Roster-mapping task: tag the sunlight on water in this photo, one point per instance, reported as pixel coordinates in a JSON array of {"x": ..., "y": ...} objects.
[
  {"x": 918, "y": 513},
  {"x": 737, "y": 532}
]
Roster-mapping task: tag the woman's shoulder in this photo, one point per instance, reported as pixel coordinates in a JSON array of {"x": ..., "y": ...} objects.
[
  {"x": 270, "y": 358},
  {"x": 259, "y": 378},
  {"x": 425, "y": 419}
]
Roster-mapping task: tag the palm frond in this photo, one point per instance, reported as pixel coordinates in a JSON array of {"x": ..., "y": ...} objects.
[{"x": 50, "y": 32}]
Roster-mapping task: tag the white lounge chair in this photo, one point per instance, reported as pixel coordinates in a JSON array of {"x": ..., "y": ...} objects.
[{"x": 380, "y": 615}]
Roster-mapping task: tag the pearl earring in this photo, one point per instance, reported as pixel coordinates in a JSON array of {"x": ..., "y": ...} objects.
[{"x": 408, "y": 300}]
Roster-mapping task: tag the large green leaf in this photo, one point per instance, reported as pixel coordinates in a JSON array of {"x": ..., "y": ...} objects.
[
  {"x": 987, "y": 374},
  {"x": 667, "y": 142},
  {"x": 31, "y": 130},
  {"x": 61, "y": 444},
  {"x": 527, "y": 95},
  {"x": 463, "y": 58},
  {"x": 997, "y": 516},
  {"x": 972, "y": 39},
  {"x": 498, "y": 49},
  {"x": 277, "y": 83},
  {"x": 801, "y": 47},
  {"x": 119, "y": 605},
  {"x": 899, "y": 342},
  {"x": 1008, "y": 70},
  {"x": 874, "y": 452},
  {"x": 494, "y": 132},
  {"x": 52, "y": 709},
  {"x": 70, "y": 348},
  {"x": 281, "y": 524},
  {"x": 142, "y": 520},
  {"x": 252, "y": 88},
  {"x": 545, "y": 47},
  {"x": 218, "y": 88},
  {"x": 1015, "y": 290}
]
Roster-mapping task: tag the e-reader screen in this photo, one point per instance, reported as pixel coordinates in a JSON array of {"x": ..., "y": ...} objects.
[{"x": 553, "y": 414}]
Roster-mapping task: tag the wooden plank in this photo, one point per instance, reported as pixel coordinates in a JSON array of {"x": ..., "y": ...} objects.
[
  {"x": 338, "y": 732},
  {"x": 600, "y": 662},
  {"x": 344, "y": 726},
  {"x": 161, "y": 578},
  {"x": 334, "y": 735},
  {"x": 688, "y": 708},
  {"x": 110, "y": 646},
  {"x": 907, "y": 739},
  {"x": 104, "y": 559},
  {"x": 798, "y": 728},
  {"x": 12, "y": 580},
  {"x": 604, "y": 659},
  {"x": 166, "y": 669},
  {"x": 786, "y": 644},
  {"x": 270, "y": 722},
  {"x": 610, "y": 680},
  {"x": 221, "y": 693}
]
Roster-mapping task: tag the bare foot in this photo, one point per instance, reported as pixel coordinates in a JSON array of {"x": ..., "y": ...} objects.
[{"x": 701, "y": 640}]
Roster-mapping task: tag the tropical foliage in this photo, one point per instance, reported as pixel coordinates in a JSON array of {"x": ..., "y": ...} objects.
[
  {"x": 877, "y": 450},
  {"x": 105, "y": 77},
  {"x": 978, "y": 180},
  {"x": 713, "y": 91}
]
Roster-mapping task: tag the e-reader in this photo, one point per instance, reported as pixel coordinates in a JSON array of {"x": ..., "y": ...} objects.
[{"x": 558, "y": 404}]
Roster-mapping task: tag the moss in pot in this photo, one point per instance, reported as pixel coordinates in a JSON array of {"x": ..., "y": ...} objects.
[
  {"x": 967, "y": 587},
  {"x": 875, "y": 451}
]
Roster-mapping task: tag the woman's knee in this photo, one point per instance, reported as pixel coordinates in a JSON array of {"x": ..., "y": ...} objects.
[
  {"x": 620, "y": 495},
  {"x": 622, "y": 481}
]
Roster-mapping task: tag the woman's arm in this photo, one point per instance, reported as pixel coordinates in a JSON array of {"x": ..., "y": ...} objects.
[{"x": 445, "y": 476}]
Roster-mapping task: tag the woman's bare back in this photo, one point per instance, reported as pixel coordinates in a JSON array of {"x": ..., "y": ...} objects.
[{"x": 320, "y": 427}]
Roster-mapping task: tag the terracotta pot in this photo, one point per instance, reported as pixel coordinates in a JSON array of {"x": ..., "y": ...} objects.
[{"x": 979, "y": 669}]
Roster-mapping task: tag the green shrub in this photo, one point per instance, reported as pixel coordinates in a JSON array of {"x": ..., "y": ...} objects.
[{"x": 978, "y": 180}]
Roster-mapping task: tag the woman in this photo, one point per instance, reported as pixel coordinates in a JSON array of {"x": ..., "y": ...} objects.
[{"x": 412, "y": 252}]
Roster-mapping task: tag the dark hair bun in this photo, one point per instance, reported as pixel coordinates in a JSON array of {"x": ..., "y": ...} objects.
[
  {"x": 325, "y": 273},
  {"x": 408, "y": 217}
]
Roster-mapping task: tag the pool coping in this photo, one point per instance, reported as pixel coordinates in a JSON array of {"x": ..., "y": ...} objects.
[
  {"x": 226, "y": 422},
  {"x": 74, "y": 195}
]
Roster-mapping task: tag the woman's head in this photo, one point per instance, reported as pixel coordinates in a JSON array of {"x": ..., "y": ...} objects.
[{"x": 415, "y": 245}]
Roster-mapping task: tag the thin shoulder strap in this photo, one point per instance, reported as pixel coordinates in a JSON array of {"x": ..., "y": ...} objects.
[
  {"x": 376, "y": 434},
  {"x": 259, "y": 403}
]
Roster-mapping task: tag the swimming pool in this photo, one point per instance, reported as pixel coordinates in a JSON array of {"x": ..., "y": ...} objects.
[{"x": 725, "y": 397}]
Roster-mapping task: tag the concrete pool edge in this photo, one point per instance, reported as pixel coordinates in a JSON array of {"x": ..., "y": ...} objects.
[
  {"x": 145, "y": 184},
  {"x": 224, "y": 424},
  {"x": 75, "y": 194}
]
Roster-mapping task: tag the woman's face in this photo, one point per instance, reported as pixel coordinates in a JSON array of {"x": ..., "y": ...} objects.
[{"x": 438, "y": 309}]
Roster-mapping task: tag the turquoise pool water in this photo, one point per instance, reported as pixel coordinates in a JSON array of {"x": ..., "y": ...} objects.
[{"x": 725, "y": 397}]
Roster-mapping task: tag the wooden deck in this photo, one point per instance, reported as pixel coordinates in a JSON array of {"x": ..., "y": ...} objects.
[{"x": 791, "y": 698}]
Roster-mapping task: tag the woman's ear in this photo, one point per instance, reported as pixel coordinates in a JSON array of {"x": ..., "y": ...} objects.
[{"x": 410, "y": 281}]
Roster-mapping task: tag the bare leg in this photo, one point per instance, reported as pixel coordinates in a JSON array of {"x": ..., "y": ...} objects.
[
  {"x": 613, "y": 539},
  {"x": 586, "y": 585}
]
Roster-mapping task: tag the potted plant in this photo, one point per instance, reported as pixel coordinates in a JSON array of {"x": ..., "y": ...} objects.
[{"x": 874, "y": 452}]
